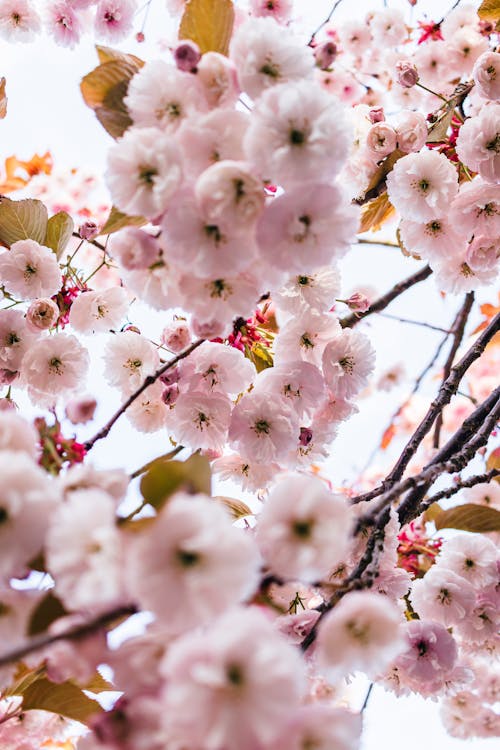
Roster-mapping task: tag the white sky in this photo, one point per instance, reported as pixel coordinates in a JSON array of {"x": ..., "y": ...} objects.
[{"x": 46, "y": 112}]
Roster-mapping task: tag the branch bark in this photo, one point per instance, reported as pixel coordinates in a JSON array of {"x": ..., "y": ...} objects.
[
  {"x": 104, "y": 431},
  {"x": 461, "y": 485},
  {"x": 382, "y": 302},
  {"x": 72, "y": 634},
  {"x": 457, "y": 330}
]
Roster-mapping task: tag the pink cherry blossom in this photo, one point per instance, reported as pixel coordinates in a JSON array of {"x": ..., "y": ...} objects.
[
  {"x": 114, "y": 19},
  {"x": 476, "y": 208},
  {"x": 97, "y": 312},
  {"x": 144, "y": 171},
  {"x": 320, "y": 726},
  {"x": 303, "y": 529},
  {"x": 486, "y": 74},
  {"x": 129, "y": 358},
  {"x": 63, "y": 23},
  {"x": 54, "y": 366},
  {"x": 411, "y": 131},
  {"x": 300, "y": 231},
  {"x": 478, "y": 143},
  {"x": 201, "y": 421},
  {"x": 30, "y": 270},
  {"x": 19, "y": 20},
  {"x": 161, "y": 96},
  {"x": 15, "y": 339},
  {"x": 348, "y": 360},
  {"x": 243, "y": 678},
  {"x": 421, "y": 186},
  {"x": 217, "y": 75},
  {"x": 298, "y": 133},
  {"x": 17, "y": 435},
  {"x": 261, "y": 429},
  {"x": 42, "y": 314},
  {"x": 265, "y": 55},
  {"x": 176, "y": 569},
  {"x": 363, "y": 632},
  {"x": 210, "y": 138},
  {"x": 443, "y": 596}
]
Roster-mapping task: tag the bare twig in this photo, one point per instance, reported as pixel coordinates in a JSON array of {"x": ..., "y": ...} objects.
[
  {"x": 420, "y": 323},
  {"x": 323, "y": 23},
  {"x": 382, "y": 302},
  {"x": 461, "y": 485},
  {"x": 457, "y": 331},
  {"x": 72, "y": 634},
  {"x": 447, "y": 390},
  {"x": 104, "y": 431},
  {"x": 92, "y": 242}
]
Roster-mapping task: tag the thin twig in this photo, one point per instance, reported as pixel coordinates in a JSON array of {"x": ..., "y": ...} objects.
[
  {"x": 382, "y": 302},
  {"x": 104, "y": 431},
  {"x": 461, "y": 485},
  {"x": 72, "y": 634},
  {"x": 367, "y": 697},
  {"x": 323, "y": 23},
  {"x": 447, "y": 390},
  {"x": 382, "y": 243},
  {"x": 421, "y": 323},
  {"x": 92, "y": 242},
  {"x": 457, "y": 330}
]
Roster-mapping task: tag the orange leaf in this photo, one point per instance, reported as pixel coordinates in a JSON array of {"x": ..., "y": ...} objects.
[
  {"x": 18, "y": 173},
  {"x": 3, "y": 99},
  {"x": 387, "y": 437}
]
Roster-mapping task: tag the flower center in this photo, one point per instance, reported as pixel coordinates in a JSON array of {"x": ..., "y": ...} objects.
[
  {"x": 303, "y": 529},
  {"x": 262, "y": 427},
  {"x": 187, "y": 559},
  {"x": 147, "y": 174}
]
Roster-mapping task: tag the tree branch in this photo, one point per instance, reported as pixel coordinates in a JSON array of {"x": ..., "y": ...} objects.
[
  {"x": 382, "y": 302},
  {"x": 323, "y": 23},
  {"x": 457, "y": 330},
  {"x": 461, "y": 485},
  {"x": 104, "y": 431},
  {"x": 72, "y": 634}
]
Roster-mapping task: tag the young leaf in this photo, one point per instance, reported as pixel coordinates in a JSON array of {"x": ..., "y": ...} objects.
[
  {"x": 59, "y": 230},
  {"x": 3, "y": 98},
  {"x": 164, "y": 478},
  {"x": 489, "y": 10},
  {"x": 469, "y": 517},
  {"x": 107, "y": 54},
  {"x": 48, "y": 610},
  {"x": 375, "y": 213},
  {"x": 116, "y": 220},
  {"x": 22, "y": 220},
  {"x": 209, "y": 23},
  {"x": 65, "y": 699},
  {"x": 103, "y": 90},
  {"x": 237, "y": 508}
]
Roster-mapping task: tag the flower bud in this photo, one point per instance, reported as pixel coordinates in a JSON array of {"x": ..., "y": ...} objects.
[
  {"x": 325, "y": 54},
  {"x": 42, "y": 314},
  {"x": 407, "y": 73},
  {"x": 176, "y": 336},
  {"x": 187, "y": 55},
  {"x": 376, "y": 115},
  {"x": 170, "y": 394},
  {"x": 81, "y": 410},
  {"x": 358, "y": 302},
  {"x": 88, "y": 230}
]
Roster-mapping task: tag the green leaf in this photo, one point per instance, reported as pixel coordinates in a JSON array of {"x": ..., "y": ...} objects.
[
  {"x": 65, "y": 699},
  {"x": 164, "y": 478},
  {"x": 209, "y": 23},
  {"x": 469, "y": 517},
  {"x": 237, "y": 508},
  {"x": 49, "y": 609},
  {"x": 260, "y": 355},
  {"x": 22, "y": 220},
  {"x": 59, "y": 230},
  {"x": 116, "y": 221},
  {"x": 104, "y": 89}
]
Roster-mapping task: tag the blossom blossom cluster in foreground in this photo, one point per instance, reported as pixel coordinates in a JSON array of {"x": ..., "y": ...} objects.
[{"x": 240, "y": 182}]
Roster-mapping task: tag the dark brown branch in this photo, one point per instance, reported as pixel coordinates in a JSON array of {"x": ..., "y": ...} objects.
[
  {"x": 461, "y": 485},
  {"x": 446, "y": 391},
  {"x": 457, "y": 330},
  {"x": 104, "y": 431},
  {"x": 382, "y": 302},
  {"x": 72, "y": 634}
]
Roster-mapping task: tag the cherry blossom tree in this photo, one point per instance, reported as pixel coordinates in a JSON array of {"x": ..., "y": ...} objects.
[{"x": 222, "y": 595}]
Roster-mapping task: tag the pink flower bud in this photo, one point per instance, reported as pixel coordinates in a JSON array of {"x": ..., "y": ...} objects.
[
  {"x": 407, "y": 73},
  {"x": 306, "y": 436},
  {"x": 42, "y": 314},
  {"x": 325, "y": 54},
  {"x": 134, "y": 329},
  {"x": 7, "y": 404},
  {"x": 170, "y": 376},
  {"x": 139, "y": 37},
  {"x": 81, "y": 410},
  {"x": 170, "y": 394},
  {"x": 358, "y": 302},
  {"x": 207, "y": 329},
  {"x": 187, "y": 55},
  {"x": 176, "y": 336},
  {"x": 88, "y": 230},
  {"x": 376, "y": 115}
]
